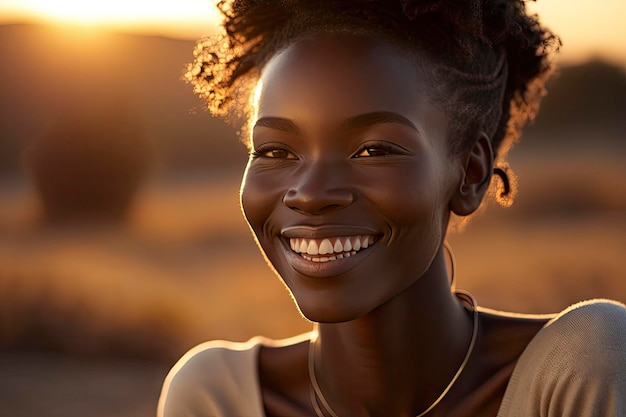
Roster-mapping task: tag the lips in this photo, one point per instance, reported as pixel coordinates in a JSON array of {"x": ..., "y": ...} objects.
[{"x": 330, "y": 248}]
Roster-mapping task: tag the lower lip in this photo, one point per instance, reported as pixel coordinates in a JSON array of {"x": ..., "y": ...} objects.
[{"x": 328, "y": 269}]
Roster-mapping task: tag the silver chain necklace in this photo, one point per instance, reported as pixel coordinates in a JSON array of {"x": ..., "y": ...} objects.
[{"x": 317, "y": 396}]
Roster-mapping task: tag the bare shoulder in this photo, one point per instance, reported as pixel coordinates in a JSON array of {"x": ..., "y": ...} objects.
[
  {"x": 506, "y": 335},
  {"x": 283, "y": 376},
  {"x": 284, "y": 361}
]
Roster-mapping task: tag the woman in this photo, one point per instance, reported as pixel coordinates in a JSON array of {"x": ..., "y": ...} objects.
[{"x": 371, "y": 123}]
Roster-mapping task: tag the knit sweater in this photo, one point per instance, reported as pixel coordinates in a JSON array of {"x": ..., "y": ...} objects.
[{"x": 574, "y": 367}]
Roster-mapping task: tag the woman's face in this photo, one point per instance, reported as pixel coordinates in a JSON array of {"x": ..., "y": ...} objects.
[{"x": 348, "y": 187}]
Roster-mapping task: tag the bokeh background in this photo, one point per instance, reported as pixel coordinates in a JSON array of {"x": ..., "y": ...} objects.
[{"x": 121, "y": 240}]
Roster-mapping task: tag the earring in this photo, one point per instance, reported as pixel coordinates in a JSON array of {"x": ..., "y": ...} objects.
[
  {"x": 507, "y": 188},
  {"x": 452, "y": 262}
]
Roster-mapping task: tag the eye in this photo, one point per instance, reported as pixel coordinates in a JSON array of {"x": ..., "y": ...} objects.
[
  {"x": 278, "y": 153},
  {"x": 371, "y": 151},
  {"x": 378, "y": 149},
  {"x": 273, "y": 151}
]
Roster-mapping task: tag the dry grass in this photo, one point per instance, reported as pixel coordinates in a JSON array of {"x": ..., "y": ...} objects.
[
  {"x": 185, "y": 269},
  {"x": 54, "y": 385},
  {"x": 152, "y": 289},
  {"x": 561, "y": 242}
]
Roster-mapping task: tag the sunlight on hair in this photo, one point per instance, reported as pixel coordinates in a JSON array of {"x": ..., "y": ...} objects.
[{"x": 254, "y": 113}]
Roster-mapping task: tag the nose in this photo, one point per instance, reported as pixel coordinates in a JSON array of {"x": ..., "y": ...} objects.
[{"x": 320, "y": 188}]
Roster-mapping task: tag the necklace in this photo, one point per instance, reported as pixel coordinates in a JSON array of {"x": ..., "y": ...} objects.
[{"x": 317, "y": 396}]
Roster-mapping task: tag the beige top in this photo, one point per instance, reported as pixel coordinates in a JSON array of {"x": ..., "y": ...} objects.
[{"x": 574, "y": 367}]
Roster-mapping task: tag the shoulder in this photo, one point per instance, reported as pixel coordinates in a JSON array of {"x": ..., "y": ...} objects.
[
  {"x": 212, "y": 379},
  {"x": 218, "y": 378},
  {"x": 590, "y": 327},
  {"x": 576, "y": 362},
  {"x": 592, "y": 312}
]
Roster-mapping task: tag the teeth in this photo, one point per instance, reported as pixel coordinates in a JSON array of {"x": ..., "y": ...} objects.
[
  {"x": 312, "y": 248},
  {"x": 326, "y": 247},
  {"x": 343, "y": 247}
]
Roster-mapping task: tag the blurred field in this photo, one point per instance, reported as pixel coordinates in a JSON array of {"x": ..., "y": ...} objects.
[
  {"x": 92, "y": 317},
  {"x": 185, "y": 269},
  {"x": 54, "y": 385}
]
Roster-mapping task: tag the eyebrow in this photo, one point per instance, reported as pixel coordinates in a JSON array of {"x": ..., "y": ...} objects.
[
  {"x": 362, "y": 121},
  {"x": 278, "y": 123},
  {"x": 357, "y": 122}
]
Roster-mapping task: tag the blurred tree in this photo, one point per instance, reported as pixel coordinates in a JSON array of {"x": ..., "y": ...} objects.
[
  {"x": 47, "y": 73},
  {"x": 591, "y": 95},
  {"x": 89, "y": 166}
]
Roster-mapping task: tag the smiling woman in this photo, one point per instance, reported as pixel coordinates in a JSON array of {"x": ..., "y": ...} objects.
[{"x": 371, "y": 123}]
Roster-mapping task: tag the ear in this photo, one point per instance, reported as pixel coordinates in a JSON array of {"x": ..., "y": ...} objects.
[{"x": 475, "y": 178}]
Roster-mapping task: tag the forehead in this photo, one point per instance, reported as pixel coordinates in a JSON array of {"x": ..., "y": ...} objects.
[{"x": 340, "y": 76}]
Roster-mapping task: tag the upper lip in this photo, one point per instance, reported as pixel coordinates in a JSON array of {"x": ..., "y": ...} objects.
[{"x": 326, "y": 231}]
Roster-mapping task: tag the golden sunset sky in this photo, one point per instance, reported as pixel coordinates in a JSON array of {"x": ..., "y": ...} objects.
[{"x": 588, "y": 27}]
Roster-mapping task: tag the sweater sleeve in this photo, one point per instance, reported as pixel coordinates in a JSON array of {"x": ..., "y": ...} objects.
[
  {"x": 214, "y": 379},
  {"x": 574, "y": 367}
]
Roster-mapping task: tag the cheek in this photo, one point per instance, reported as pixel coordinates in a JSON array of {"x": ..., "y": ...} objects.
[
  {"x": 413, "y": 196},
  {"x": 414, "y": 205},
  {"x": 259, "y": 196}
]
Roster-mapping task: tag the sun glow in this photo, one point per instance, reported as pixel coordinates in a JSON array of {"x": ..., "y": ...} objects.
[
  {"x": 587, "y": 27},
  {"x": 190, "y": 17}
]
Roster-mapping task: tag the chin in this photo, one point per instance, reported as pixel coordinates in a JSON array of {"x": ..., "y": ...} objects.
[
  {"x": 329, "y": 312},
  {"x": 328, "y": 317}
]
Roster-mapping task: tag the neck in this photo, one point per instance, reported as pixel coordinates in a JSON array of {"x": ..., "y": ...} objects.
[{"x": 400, "y": 357}]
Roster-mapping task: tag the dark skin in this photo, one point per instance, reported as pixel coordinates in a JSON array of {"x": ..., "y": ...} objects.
[{"x": 345, "y": 148}]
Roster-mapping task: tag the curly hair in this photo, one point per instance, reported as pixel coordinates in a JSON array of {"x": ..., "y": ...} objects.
[{"x": 491, "y": 58}]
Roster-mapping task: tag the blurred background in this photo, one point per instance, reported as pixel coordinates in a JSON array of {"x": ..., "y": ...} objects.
[{"x": 121, "y": 241}]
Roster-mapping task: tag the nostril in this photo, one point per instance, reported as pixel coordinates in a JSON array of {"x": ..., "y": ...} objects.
[{"x": 317, "y": 203}]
